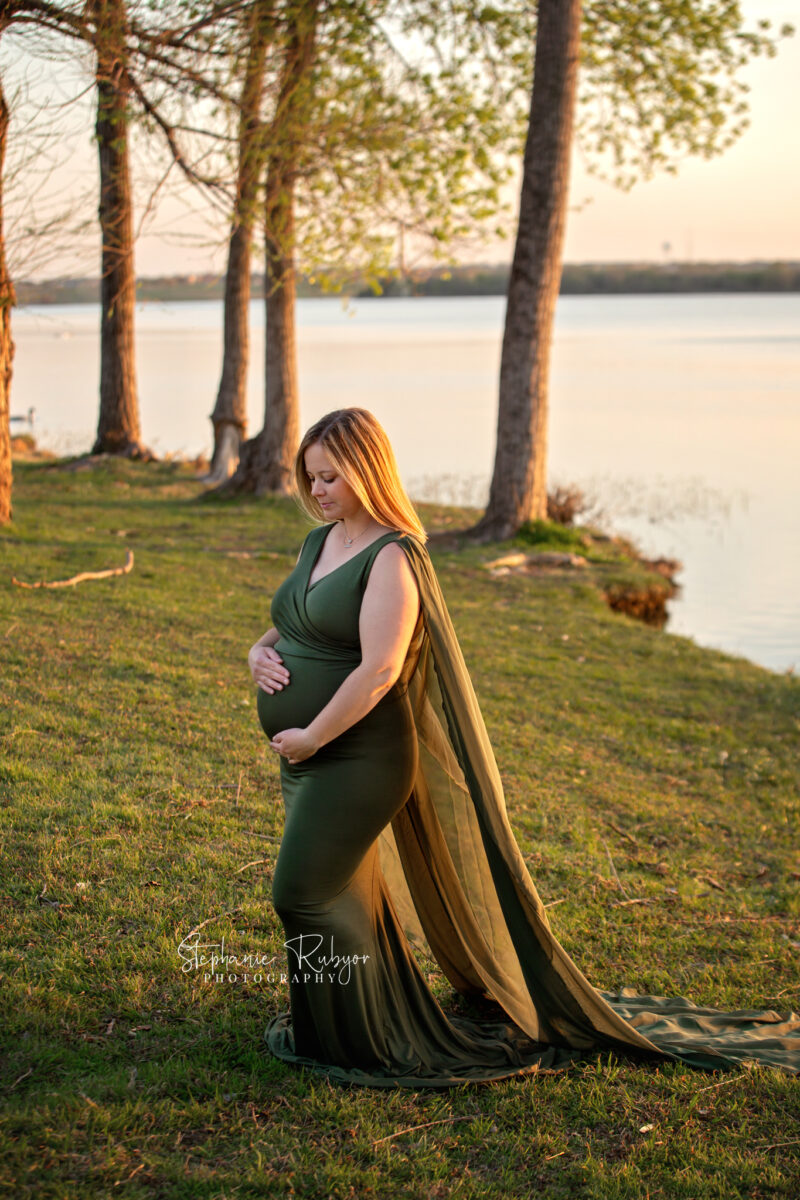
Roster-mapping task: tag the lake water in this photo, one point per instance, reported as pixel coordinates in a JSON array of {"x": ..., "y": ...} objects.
[{"x": 679, "y": 415}]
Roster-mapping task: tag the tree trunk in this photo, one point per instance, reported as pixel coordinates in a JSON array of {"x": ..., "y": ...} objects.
[
  {"x": 519, "y": 482},
  {"x": 266, "y": 461},
  {"x": 7, "y": 300},
  {"x": 229, "y": 417},
  {"x": 118, "y": 426},
  {"x": 281, "y": 433}
]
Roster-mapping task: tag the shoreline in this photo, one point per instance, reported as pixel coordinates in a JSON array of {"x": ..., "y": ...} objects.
[
  {"x": 769, "y": 277},
  {"x": 629, "y": 581}
]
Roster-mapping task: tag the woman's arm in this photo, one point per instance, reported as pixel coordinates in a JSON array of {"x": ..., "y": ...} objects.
[
  {"x": 389, "y": 611},
  {"x": 268, "y": 639}
]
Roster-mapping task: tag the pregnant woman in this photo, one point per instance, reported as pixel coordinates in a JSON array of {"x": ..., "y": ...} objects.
[{"x": 396, "y": 833}]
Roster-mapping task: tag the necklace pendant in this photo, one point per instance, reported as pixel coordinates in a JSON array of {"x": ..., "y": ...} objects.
[{"x": 348, "y": 541}]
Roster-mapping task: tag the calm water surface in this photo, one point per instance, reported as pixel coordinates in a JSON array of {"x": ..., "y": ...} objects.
[{"x": 679, "y": 415}]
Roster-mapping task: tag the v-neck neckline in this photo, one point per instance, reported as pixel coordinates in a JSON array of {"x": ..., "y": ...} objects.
[{"x": 315, "y": 560}]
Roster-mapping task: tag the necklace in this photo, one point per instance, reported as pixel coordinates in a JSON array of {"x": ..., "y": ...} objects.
[{"x": 349, "y": 541}]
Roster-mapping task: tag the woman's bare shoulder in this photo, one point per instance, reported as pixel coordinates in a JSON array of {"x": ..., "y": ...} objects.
[{"x": 391, "y": 565}]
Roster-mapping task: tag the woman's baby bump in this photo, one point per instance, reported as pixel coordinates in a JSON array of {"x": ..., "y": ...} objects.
[{"x": 312, "y": 683}]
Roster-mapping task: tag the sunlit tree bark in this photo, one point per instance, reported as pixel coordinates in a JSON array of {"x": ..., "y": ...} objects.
[
  {"x": 518, "y": 490},
  {"x": 118, "y": 429},
  {"x": 266, "y": 460},
  {"x": 6, "y": 340},
  {"x": 659, "y": 81},
  {"x": 229, "y": 417}
]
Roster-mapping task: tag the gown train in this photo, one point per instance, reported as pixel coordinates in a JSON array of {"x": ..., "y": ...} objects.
[{"x": 396, "y": 834}]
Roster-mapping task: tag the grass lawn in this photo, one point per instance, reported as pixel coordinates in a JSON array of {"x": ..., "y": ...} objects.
[{"x": 140, "y": 800}]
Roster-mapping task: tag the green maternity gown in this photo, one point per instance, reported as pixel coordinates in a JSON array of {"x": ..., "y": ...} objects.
[{"x": 396, "y": 834}]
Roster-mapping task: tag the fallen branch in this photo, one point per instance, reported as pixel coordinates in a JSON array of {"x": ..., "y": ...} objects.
[
  {"x": 79, "y": 578},
  {"x": 613, "y": 868},
  {"x": 217, "y": 916},
  {"x": 622, "y": 832},
  {"x": 414, "y": 1128},
  {"x": 712, "y": 1087},
  {"x": 703, "y": 919},
  {"x": 255, "y": 863}
]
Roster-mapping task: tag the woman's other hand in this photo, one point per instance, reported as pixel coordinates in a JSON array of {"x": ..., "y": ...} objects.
[
  {"x": 267, "y": 669},
  {"x": 296, "y": 745}
]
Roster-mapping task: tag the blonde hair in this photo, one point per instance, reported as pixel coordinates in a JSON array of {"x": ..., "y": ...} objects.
[{"x": 359, "y": 449}]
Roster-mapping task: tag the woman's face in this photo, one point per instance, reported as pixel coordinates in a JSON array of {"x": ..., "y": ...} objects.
[{"x": 335, "y": 497}]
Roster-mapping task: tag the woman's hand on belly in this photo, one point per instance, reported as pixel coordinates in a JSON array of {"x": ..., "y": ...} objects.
[
  {"x": 267, "y": 669},
  {"x": 295, "y": 745}
]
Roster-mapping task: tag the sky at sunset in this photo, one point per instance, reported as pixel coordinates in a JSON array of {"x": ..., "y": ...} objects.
[{"x": 742, "y": 205}]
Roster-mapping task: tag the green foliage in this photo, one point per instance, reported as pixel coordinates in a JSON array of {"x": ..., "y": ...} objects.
[
  {"x": 414, "y": 129},
  {"x": 550, "y": 533},
  {"x": 423, "y": 106},
  {"x": 415, "y": 111},
  {"x": 660, "y": 81}
]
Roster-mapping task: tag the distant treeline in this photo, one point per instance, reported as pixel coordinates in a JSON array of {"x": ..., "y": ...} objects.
[{"x": 479, "y": 280}]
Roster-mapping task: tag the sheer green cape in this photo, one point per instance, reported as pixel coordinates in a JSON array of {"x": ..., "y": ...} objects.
[{"x": 462, "y": 890}]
